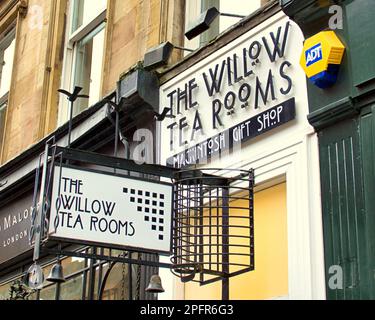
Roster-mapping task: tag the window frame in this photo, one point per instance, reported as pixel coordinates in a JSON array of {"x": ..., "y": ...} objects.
[
  {"x": 72, "y": 39},
  {"x": 6, "y": 39},
  {"x": 3, "y": 109}
]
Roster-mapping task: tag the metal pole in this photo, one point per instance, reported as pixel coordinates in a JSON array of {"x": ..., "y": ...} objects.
[
  {"x": 225, "y": 244},
  {"x": 117, "y": 130},
  {"x": 40, "y": 223},
  {"x": 92, "y": 277},
  {"x": 117, "y": 133},
  {"x": 183, "y": 49},
  {"x": 231, "y": 15},
  {"x": 104, "y": 281},
  {"x": 70, "y": 124},
  {"x": 130, "y": 278}
]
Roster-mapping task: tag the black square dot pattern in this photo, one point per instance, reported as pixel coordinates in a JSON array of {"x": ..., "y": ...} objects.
[{"x": 149, "y": 202}]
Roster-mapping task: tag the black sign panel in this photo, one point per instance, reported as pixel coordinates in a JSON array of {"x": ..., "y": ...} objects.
[
  {"x": 203, "y": 152},
  {"x": 15, "y": 223}
]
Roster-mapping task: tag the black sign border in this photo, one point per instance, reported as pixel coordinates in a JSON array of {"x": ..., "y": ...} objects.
[{"x": 108, "y": 245}]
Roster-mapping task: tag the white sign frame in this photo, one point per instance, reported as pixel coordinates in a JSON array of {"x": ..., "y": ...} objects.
[{"x": 95, "y": 216}]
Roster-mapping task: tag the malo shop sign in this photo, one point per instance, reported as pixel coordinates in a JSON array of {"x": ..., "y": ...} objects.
[
  {"x": 98, "y": 208},
  {"x": 15, "y": 223},
  {"x": 231, "y": 97}
]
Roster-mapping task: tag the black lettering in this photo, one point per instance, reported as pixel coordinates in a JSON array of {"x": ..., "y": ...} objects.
[
  {"x": 192, "y": 86},
  {"x": 70, "y": 217},
  {"x": 229, "y": 71},
  {"x": 276, "y": 43},
  {"x": 65, "y": 183},
  {"x": 123, "y": 226},
  {"x": 78, "y": 221},
  {"x": 264, "y": 95},
  {"x": 94, "y": 221},
  {"x": 237, "y": 79},
  {"x": 67, "y": 202},
  {"x": 244, "y": 93},
  {"x": 103, "y": 225},
  {"x": 246, "y": 72},
  {"x": 133, "y": 230},
  {"x": 197, "y": 125},
  {"x": 216, "y": 110},
  {"x": 230, "y": 100},
  {"x": 183, "y": 125},
  {"x": 86, "y": 206},
  {"x": 108, "y": 208},
  {"x": 255, "y": 50},
  {"x": 99, "y": 206},
  {"x": 113, "y": 227},
  {"x": 63, "y": 214},
  {"x": 286, "y": 77},
  {"x": 182, "y": 96},
  {"x": 171, "y": 141},
  {"x": 216, "y": 80},
  {"x": 171, "y": 100}
]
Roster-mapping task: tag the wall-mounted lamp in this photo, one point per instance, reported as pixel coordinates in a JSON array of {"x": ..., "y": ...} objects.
[
  {"x": 72, "y": 97},
  {"x": 205, "y": 20},
  {"x": 158, "y": 56}
]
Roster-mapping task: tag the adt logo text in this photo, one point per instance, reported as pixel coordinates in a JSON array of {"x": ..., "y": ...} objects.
[{"x": 314, "y": 55}]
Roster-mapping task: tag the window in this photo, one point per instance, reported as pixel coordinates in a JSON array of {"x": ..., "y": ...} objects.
[
  {"x": 195, "y": 7},
  {"x": 7, "y": 46},
  {"x": 84, "y": 54},
  {"x": 269, "y": 280},
  {"x": 3, "y": 109}
]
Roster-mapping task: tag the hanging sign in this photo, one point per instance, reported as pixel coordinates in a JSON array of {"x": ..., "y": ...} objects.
[{"x": 103, "y": 209}]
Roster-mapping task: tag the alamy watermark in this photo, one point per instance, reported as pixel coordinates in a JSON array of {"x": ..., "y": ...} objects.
[
  {"x": 335, "y": 278},
  {"x": 36, "y": 17},
  {"x": 336, "y": 21}
]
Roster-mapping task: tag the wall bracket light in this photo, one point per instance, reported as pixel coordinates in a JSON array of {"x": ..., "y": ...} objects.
[
  {"x": 158, "y": 56},
  {"x": 72, "y": 97},
  {"x": 205, "y": 20}
]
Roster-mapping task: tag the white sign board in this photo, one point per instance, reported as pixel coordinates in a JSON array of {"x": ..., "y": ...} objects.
[
  {"x": 96, "y": 208},
  {"x": 246, "y": 94}
]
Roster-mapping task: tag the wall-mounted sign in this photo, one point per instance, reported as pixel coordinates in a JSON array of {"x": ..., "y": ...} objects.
[
  {"x": 15, "y": 223},
  {"x": 321, "y": 58},
  {"x": 251, "y": 128},
  {"x": 109, "y": 210},
  {"x": 240, "y": 92}
]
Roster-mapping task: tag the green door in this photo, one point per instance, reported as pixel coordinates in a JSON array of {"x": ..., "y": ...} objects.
[{"x": 344, "y": 215}]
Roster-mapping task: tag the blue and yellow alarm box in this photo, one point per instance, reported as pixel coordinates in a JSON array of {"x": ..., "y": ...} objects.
[{"x": 322, "y": 57}]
